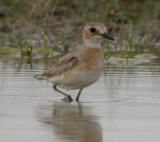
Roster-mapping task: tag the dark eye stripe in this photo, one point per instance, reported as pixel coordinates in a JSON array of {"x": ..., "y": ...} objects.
[{"x": 92, "y": 29}]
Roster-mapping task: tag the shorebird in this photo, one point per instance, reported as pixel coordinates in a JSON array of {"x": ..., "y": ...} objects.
[{"x": 79, "y": 69}]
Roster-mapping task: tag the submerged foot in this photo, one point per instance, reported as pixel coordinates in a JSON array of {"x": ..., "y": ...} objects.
[{"x": 67, "y": 99}]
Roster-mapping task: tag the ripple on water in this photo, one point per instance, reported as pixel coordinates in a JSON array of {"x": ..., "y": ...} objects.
[{"x": 123, "y": 104}]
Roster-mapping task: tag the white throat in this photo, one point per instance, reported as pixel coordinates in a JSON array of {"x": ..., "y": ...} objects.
[{"x": 94, "y": 42}]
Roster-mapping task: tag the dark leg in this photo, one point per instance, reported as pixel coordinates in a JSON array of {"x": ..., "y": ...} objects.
[
  {"x": 67, "y": 98},
  {"x": 79, "y": 93}
]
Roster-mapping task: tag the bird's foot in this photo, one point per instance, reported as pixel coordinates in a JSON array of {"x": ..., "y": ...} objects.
[
  {"x": 77, "y": 99},
  {"x": 67, "y": 99}
]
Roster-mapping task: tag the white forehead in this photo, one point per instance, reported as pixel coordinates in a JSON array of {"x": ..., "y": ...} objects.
[{"x": 101, "y": 29}]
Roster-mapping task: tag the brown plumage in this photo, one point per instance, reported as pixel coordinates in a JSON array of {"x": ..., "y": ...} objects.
[
  {"x": 81, "y": 68},
  {"x": 64, "y": 64}
]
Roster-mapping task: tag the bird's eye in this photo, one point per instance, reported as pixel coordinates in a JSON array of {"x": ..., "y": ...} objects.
[{"x": 92, "y": 30}]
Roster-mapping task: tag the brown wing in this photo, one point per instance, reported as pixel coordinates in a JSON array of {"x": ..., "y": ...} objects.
[{"x": 64, "y": 64}]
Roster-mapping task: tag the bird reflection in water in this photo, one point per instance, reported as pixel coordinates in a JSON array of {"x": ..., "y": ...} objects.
[{"x": 75, "y": 122}]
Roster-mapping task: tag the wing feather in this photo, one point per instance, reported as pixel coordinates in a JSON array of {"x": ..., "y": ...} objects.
[{"x": 64, "y": 64}]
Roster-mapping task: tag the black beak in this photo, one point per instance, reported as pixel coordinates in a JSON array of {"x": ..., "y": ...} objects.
[{"x": 107, "y": 36}]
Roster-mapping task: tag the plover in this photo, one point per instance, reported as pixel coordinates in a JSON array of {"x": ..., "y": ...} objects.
[{"x": 79, "y": 69}]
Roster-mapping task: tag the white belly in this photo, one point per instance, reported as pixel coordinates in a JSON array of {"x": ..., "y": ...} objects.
[{"x": 77, "y": 80}]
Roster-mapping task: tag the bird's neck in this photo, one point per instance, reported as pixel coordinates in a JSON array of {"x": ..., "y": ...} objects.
[{"x": 92, "y": 43}]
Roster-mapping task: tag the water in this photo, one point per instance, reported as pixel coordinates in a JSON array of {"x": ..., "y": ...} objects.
[{"x": 123, "y": 106}]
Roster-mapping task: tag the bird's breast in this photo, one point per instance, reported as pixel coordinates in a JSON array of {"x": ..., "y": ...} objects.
[
  {"x": 92, "y": 59},
  {"x": 87, "y": 71}
]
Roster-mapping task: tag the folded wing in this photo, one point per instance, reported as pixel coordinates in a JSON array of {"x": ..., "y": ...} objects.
[{"x": 64, "y": 64}]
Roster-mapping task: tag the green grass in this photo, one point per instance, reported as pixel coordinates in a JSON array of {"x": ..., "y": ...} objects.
[{"x": 138, "y": 23}]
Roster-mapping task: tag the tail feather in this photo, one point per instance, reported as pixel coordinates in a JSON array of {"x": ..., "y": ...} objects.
[{"x": 39, "y": 77}]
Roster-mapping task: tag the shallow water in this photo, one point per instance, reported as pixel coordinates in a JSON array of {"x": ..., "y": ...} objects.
[{"x": 123, "y": 106}]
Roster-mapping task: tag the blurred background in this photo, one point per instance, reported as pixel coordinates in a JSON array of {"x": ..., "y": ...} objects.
[
  {"x": 46, "y": 29},
  {"x": 122, "y": 106}
]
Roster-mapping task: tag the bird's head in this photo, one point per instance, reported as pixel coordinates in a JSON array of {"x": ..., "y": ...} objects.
[{"x": 94, "y": 33}]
